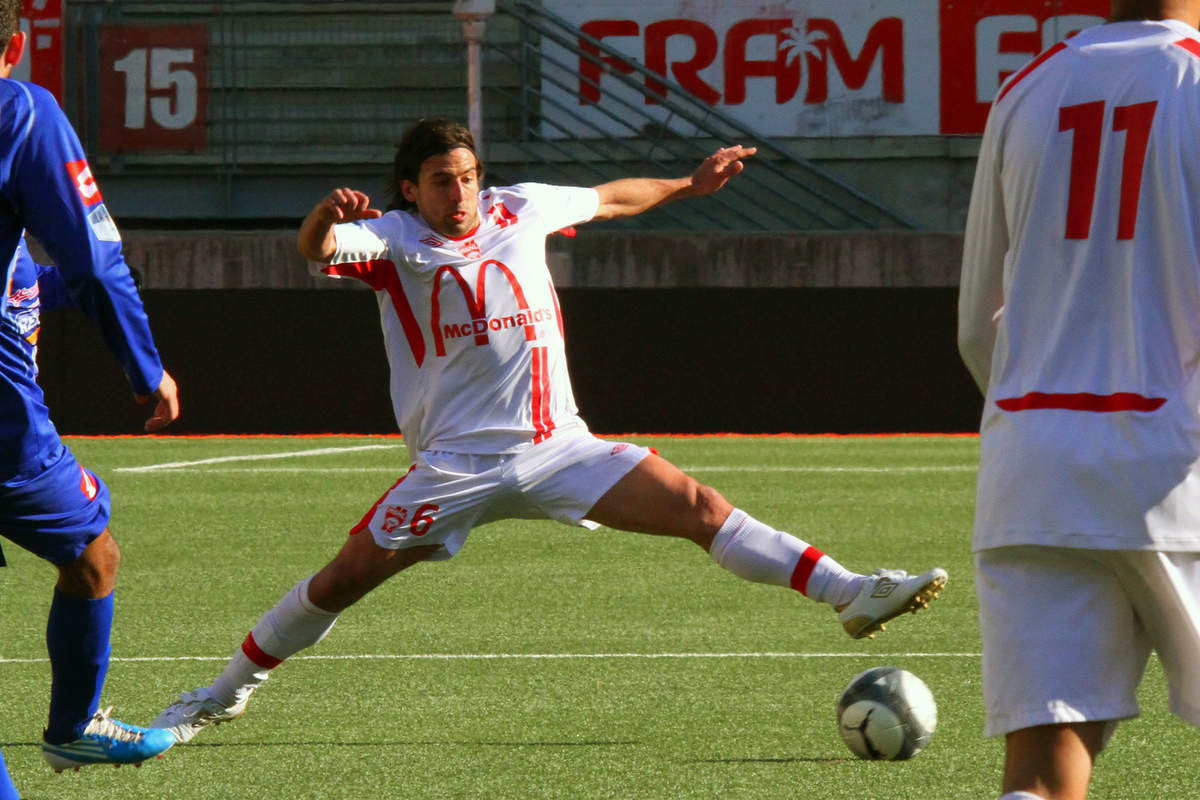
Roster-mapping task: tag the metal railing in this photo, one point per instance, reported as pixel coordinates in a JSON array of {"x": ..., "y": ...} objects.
[
  {"x": 553, "y": 136},
  {"x": 295, "y": 97}
]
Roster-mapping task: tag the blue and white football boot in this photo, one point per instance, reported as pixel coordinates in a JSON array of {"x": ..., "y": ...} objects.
[{"x": 107, "y": 741}]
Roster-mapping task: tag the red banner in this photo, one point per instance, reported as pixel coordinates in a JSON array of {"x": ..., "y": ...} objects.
[
  {"x": 42, "y": 23},
  {"x": 154, "y": 82},
  {"x": 806, "y": 67},
  {"x": 985, "y": 41}
]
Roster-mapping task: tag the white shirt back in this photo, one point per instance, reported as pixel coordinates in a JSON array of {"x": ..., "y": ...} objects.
[
  {"x": 472, "y": 326},
  {"x": 1079, "y": 312}
]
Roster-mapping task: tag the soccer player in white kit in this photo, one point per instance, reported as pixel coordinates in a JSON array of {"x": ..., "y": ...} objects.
[
  {"x": 479, "y": 382},
  {"x": 1079, "y": 318}
]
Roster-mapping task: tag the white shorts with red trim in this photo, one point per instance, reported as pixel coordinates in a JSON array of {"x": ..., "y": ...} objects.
[
  {"x": 1067, "y": 633},
  {"x": 444, "y": 495}
]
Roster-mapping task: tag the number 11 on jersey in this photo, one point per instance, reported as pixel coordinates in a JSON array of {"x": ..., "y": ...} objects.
[{"x": 1086, "y": 122}]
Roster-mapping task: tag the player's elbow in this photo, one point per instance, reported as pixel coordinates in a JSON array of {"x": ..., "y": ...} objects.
[
  {"x": 606, "y": 211},
  {"x": 313, "y": 251}
]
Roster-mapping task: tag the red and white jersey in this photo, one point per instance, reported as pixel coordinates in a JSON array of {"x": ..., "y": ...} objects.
[
  {"x": 1079, "y": 312},
  {"x": 472, "y": 325}
]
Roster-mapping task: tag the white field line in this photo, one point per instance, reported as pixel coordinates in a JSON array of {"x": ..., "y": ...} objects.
[
  {"x": 526, "y": 657},
  {"x": 171, "y": 465},
  {"x": 928, "y": 468},
  {"x": 201, "y": 466}
]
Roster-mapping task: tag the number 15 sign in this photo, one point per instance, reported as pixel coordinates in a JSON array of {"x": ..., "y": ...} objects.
[{"x": 153, "y": 88}]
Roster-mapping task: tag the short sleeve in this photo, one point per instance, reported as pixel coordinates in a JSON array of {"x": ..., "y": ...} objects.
[
  {"x": 555, "y": 207},
  {"x": 361, "y": 250}
]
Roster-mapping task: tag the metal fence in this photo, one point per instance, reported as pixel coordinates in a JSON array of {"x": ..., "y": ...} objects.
[
  {"x": 554, "y": 138},
  {"x": 226, "y": 110}
]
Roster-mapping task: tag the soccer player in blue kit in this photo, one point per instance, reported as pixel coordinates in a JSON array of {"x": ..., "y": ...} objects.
[{"x": 49, "y": 504}]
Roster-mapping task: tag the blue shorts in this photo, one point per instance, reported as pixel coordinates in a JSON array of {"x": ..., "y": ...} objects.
[{"x": 57, "y": 513}]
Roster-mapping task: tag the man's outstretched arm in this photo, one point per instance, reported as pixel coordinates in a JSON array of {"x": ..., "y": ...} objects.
[{"x": 630, "y": 196}]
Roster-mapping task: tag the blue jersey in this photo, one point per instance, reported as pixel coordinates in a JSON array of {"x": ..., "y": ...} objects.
[{"x": 47, "y": 189}]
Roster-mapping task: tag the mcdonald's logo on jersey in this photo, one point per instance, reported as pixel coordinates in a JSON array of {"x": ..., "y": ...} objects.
[{"x": 476, "y": 301}]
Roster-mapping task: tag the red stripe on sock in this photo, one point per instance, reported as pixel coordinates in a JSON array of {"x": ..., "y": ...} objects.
[
  {"x": 804, "y": 568},
  {"x": 257, "y": 655}
]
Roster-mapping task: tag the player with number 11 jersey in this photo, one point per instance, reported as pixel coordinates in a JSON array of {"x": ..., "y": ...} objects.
[
  {"x": 1079, "y": 318},
  {"x": 1080, "y": 290}
]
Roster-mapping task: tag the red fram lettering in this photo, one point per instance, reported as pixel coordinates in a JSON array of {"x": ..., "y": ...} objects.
[{"x": 685, "y": 73}]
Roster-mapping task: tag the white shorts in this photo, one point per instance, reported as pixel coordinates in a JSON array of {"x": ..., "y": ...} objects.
[
  {"x": 1067, "y": 633},
  {"x": 444, "y": 495}
]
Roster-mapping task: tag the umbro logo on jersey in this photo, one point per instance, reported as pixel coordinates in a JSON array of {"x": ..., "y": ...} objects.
[
  {"x": 85, "y": 184},
  {"x": 432, "y": 241},
  {"x": 884, "y": 587}
]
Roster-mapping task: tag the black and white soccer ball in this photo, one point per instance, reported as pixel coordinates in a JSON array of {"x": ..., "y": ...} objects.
[{"x": 886, "y": 714}]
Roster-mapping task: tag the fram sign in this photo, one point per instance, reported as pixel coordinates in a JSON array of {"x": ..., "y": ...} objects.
[
  {"x": 812, "y": 68},
  {"x": 804, "y": 67}
]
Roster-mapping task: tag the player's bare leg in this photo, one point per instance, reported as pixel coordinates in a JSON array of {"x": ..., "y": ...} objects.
[
  {"x": 94, "y": 573},
  {"x": 299, "y": 620},
  {"x": 359, "y": 567},
  {"x": 1053, "y": 761},
  {"x": 657, "y": 497}
]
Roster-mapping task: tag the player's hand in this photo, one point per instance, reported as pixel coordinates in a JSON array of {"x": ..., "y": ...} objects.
[
  {"x": 346, "y": 205},
  {"x": 167, "y": 409},
  {"x": 716, "y": 170}
]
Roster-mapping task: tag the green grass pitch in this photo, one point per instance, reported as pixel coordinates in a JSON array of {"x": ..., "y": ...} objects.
[{"x": 543, "y": 661}]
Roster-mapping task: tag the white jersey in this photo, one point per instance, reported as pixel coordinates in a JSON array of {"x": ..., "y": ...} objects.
[
  {"x": 472, "y": 325},
  {"x": 1079, "y": 313}
]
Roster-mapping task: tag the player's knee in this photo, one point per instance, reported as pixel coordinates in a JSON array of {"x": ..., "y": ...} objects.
[
  {"x": 712, "y": 507},
  {"x": 94, "y": 572},
  {"x": 106, "y": 558}
]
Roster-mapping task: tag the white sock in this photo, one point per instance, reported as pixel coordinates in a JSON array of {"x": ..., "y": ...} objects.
[
  {"x": 1022, "y": 796},
  {"x": 758, "y": 552},
  {"x": 292, "y": 625}
]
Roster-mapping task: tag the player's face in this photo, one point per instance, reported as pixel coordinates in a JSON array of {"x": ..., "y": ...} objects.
[{"x": 447, "y": 192}]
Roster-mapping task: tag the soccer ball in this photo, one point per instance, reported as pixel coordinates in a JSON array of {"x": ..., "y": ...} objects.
[{"x": 886, "y": 714}]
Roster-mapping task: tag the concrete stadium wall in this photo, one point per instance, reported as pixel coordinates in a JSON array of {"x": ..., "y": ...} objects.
[
  {"x": 813, "y": 333},
  {"x": 593, "y": 259}
]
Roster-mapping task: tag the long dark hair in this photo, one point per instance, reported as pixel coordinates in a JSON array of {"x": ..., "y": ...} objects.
[{"x": 433, "y": 136}]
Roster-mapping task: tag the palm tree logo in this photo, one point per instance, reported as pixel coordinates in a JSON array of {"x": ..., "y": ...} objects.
[{"x": 798, "y": 42}]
